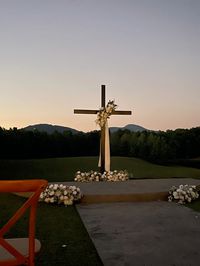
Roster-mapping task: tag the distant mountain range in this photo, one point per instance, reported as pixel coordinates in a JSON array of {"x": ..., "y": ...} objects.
[
  {"x": 49, "y": 128},
  {"x": 52, "y": 128},
  {"x": 131, "y": 127}
]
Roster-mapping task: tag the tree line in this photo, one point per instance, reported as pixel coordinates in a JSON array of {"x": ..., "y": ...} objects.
[
  {"x": 158, "y": 146},
  {"x": 153, "y": 146},
  {"x": 21, "y": 144}
]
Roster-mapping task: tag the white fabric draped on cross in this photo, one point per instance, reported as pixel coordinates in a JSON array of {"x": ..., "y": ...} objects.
[{"x": 107, "y": 149}]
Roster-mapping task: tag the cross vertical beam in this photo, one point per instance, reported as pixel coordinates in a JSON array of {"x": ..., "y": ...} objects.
[
  {"x": 103, "y": 95},
  {"x": 103, "y": 142}
]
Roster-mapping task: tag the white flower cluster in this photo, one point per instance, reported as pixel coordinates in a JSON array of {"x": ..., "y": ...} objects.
[
  {"x": 183, "y": 194},
  {"x": 61, "y": 194},
  {"x": 97, "y": 176},
  {"x": 105, "y": 113}
]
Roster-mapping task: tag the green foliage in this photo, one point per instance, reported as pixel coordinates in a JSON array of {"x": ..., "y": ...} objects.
[
  {"x": 21, "y": 144},
  {"x": 157, "y": 146},
  {"x": 149, "y": 145}
]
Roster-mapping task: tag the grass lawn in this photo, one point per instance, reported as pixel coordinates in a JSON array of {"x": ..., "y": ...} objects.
[
  {"x": 63, "y": 169},
  {"x": 56, "y": 226},
  {"x": 195, "y": 205}
]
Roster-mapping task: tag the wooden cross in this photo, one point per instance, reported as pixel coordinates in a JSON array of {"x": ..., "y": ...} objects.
[{"x": 103, "y": 104}]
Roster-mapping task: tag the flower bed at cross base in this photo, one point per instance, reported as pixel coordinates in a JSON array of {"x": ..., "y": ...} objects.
[
  {"x": 183, "y": 193},
  {"x": 61, "y": 194},
  {"x": 111, "y": 176}
]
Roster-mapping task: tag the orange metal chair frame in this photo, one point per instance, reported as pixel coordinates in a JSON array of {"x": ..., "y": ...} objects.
[{"x": 36, "y": 187}]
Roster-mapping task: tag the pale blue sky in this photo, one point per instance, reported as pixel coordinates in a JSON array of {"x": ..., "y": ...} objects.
[{"x": 54, "y": 56}]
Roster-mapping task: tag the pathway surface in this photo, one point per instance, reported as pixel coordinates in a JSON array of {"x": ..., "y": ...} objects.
[
  {"x": 155, "y": 233},
  {"x": 143, "y": 234}
]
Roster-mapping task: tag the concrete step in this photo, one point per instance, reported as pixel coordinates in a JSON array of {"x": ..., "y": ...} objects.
[{"x": 129, "y": 191}]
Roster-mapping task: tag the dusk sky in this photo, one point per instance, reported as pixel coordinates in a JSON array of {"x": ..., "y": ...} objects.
[{"x": 54, "y": 56}]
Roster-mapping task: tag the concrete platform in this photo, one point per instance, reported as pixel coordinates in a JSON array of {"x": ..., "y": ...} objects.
[
  {"x": 129, "y": 191},
  {"x": 127, "y": 232},
  {"x": 133, "y": 233},
  {"x": 143, "y": 233}
]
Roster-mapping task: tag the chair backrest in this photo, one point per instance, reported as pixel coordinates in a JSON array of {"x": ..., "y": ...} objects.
[{"x": 35, "y": 187}]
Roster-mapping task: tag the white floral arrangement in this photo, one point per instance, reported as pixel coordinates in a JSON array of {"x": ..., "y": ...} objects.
[
  {"x": 105, "y": 112},
  {"x": 183, "y": 193},
  {"x": 61, "y": 194},
  {"x": 111, "y": 176}
]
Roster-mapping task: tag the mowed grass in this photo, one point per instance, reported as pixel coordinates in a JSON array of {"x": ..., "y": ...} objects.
[
  {"x": 60, "y": 230},
  {"x": 195, "y": 205},
  {"x": 64, "y": 169}
]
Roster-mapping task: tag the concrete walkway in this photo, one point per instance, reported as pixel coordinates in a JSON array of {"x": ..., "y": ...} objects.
[
  {"x": 154, "y": 233},
  {"x": 143, "y": 234}
]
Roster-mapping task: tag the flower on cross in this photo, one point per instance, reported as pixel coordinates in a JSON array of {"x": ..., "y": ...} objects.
[{"x": 105, "y": 112}]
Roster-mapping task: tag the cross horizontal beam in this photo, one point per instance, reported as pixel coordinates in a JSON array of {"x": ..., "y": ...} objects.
[
  {"x": 85, "y": 111},
  {"x": 121, "y": 113}
]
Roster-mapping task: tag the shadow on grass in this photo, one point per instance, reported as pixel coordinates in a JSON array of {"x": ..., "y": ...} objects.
[
  {"x": 195, "y": 205},
  {"x": 64, "y": 238}
]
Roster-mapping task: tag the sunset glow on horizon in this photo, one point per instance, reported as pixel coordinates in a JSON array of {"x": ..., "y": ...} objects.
[{"x": 55, "y": 55}]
